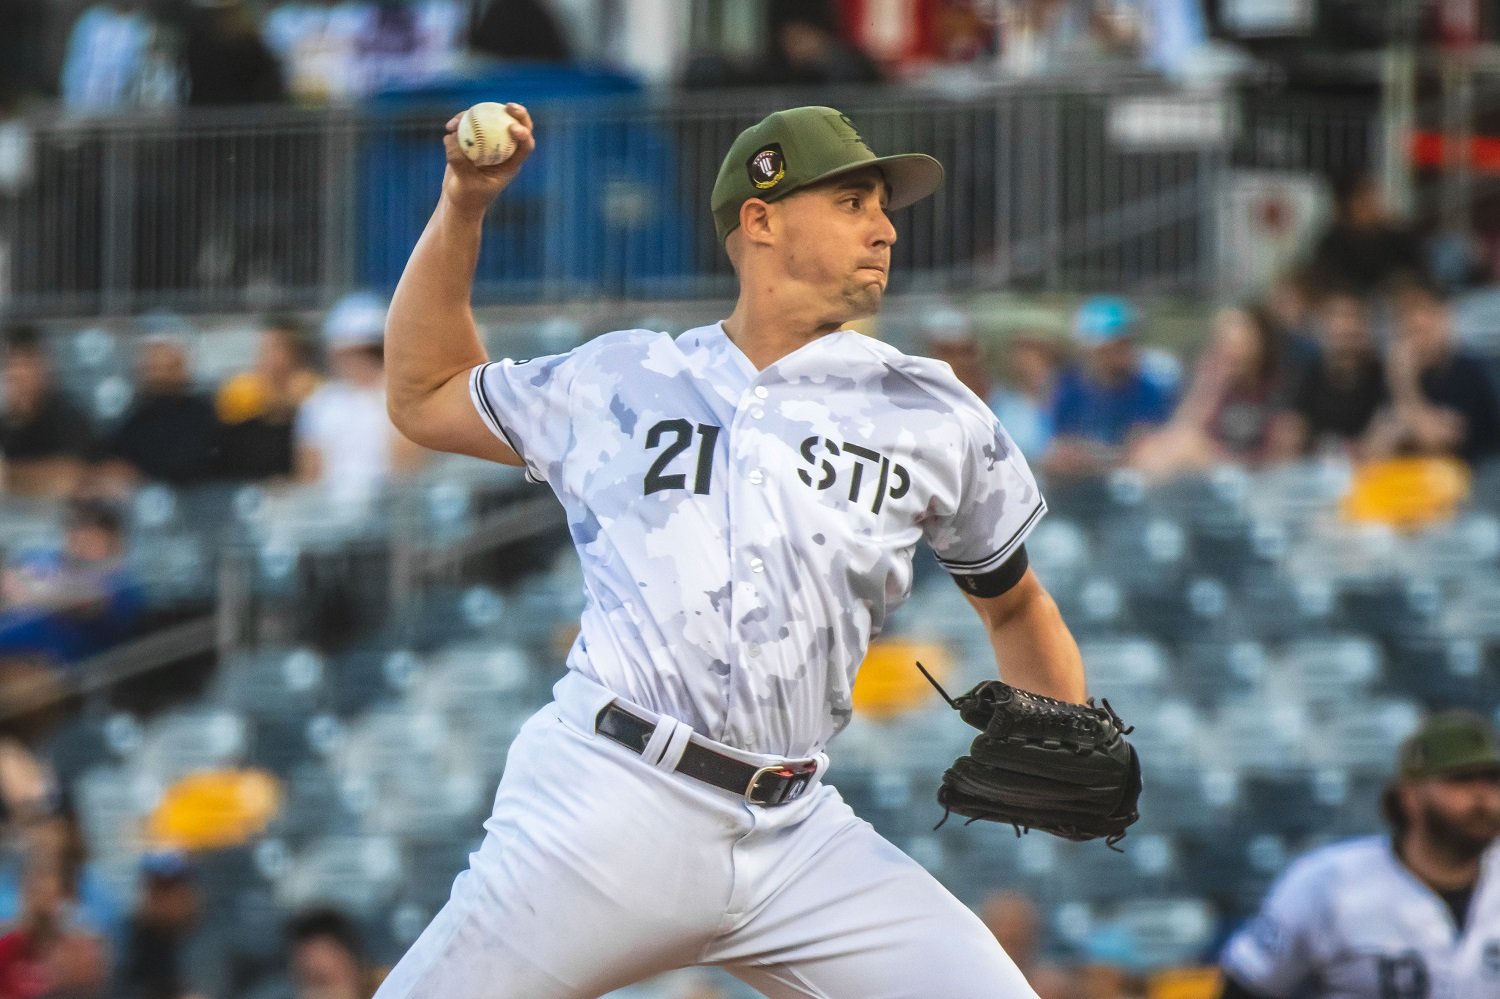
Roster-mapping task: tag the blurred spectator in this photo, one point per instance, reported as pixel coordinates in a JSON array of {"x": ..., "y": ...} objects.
[
  {"x": 807, "y": 50},
  {"x": 1365, "y": 248},
  {"x": 47, "y": 954},
  {"x": 118, "y": 57},
  {"x": 66, "y": 604},
  {"x": 168, "y": 434},
  {"x": 1404, "y": 915},
  {"x": 166, "y": 955},
  {"x": 1016, "y": 924},
  {"x": 226, "y": 60},
  {"x": 22, "y": 73},
  {"x": 1291, "y": 303},
  {"x": 1335, "y": 399},
  {"x": 1023, "y": 400},
  {"x": 51, "y": 834},
  {"x": 1043, "y": 36},
  {"x": 314, "y": 43},
  {"x": 1230, "y": 408},
  {"x": 948, "y": 336},
  {"x": 325, "y": 959},
  {"x": 257, "y": 409},
  {"x": 526, "y": 30},
  {"x": 1105, "y": 402},
  {"x": 43, "y": 437},
  {"x": 1443, "y": 401},
  {"x": 344, "y": 438}
]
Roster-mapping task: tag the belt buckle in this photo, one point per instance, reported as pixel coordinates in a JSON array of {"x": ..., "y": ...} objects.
[{"x": 796, "y": 777}]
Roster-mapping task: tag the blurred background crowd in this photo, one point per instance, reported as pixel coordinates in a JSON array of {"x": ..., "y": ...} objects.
[{"x": 1227, "y": 271}]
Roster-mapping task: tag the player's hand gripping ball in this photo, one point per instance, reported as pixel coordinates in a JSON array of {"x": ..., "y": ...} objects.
[{"x": 484, "y": 134}]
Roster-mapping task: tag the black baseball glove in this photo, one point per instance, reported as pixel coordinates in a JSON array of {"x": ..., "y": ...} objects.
[{"x": 1040, "y": 763}]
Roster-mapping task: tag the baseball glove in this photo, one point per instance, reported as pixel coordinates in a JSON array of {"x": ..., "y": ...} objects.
[{"x": 1040, "y": 763}]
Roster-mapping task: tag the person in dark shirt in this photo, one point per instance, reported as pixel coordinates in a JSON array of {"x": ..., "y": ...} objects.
[
  {"x": 522, "y": 30},
  {"x": 43, "y": 437},
  {"x": 807, "y": 49},
  {"x": 225, "y": 59},
  {"x": 169, "y": 435},
  {"x": 257, "y": 408},
  {"x": 1365, "y": 249},
  {"x": 1442, "y": 399},
  {"x": 1337, "y": 395}
]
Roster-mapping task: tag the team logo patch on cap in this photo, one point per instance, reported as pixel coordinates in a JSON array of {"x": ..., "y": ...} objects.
[{"x": 766, "y": 167}]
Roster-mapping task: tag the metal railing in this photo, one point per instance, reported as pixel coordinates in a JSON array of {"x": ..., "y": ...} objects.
[{"x": 1047, "y": 188}]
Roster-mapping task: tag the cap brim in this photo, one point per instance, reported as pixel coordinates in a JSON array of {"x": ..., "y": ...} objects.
[{"x": 912, "y": 176}]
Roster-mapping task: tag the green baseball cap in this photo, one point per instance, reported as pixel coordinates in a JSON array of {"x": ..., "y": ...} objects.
[
  {"x": 789, "y": 150},
  {"x": 1448, "y": 742}
]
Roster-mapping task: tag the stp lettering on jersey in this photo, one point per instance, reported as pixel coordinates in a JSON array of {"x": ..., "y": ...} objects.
[
  {"x": 744, "y": 533},
  {"x": 891, "y": 480}
]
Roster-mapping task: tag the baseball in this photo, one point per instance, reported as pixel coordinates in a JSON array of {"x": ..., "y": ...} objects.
[{"x": 484, "y": 134}]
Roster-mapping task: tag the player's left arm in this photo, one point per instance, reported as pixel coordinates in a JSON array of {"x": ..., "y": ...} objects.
[{"x": 1034, "y": 648}]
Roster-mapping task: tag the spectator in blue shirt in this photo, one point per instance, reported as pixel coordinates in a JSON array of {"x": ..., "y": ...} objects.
[
  {"x": 66, "y": 604},
  {"x": 1105, "y": 400}
]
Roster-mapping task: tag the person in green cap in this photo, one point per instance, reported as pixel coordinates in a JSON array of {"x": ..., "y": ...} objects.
[
  {"x": 745, "y": 500},
  {"x": 1415, "y": 915}
]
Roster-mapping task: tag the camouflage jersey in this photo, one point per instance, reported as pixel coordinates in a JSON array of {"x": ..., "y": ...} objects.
[
  {"x": 744, "y": 533},
  {"x": 1351, "y": 921}
]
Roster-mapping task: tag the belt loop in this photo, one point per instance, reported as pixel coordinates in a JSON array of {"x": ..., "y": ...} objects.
[
  {"x": 661, "y": 737},
  {"x": 676, "y": 743}
]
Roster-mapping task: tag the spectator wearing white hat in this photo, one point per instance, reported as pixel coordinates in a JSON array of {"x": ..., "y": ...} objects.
[{"x": 344, "y": 439}]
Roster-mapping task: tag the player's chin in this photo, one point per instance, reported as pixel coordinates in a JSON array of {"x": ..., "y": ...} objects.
[{"x": 865, "y": 298}]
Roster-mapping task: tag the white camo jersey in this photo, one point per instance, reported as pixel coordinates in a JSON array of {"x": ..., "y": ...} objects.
[
  {"x": 1350, "y": 920},
  {"x": 744, "y": 534}
]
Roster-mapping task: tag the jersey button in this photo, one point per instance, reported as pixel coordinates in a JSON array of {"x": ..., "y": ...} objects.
[
  {"x": 757, "y": 565},
  {"x": 761, "y": 391},
  {"x": 757, "y": 412},
  {"x": 756, "y": 476},
  {"x": 753, "y": 651}
]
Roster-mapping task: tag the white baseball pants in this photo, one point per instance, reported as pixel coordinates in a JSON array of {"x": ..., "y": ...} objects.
[{"x": 601, "y": 868}]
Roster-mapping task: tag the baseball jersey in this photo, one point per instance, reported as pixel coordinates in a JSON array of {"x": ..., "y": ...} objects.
[
  {"x": 744, "y": 534},
  {"x": 1350, "y": 920}
]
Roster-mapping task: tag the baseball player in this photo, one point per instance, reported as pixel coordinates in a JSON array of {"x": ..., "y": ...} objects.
[
  {"x": 745, "y": 501},
  {"x": 1412, "y": 916}
]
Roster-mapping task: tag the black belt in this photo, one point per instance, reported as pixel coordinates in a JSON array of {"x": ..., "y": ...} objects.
[{"x": 773, "y": 785}]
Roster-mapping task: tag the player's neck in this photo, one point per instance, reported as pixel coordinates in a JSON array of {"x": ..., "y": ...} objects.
[
  {"x": 767, "y": 331},
  {"x": 1439, "y": 869}
]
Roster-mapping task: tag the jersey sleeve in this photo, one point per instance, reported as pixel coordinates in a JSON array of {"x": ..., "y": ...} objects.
[
  {"x": 997, "y": 506},
  {"x": 527, "y": 404},
  {"x": 1275, "y": 953}
]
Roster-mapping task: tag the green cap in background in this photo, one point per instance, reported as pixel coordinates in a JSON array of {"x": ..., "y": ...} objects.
[
  {"x": 789, "y": 150},
  {"x": 1449, "y": 742}
]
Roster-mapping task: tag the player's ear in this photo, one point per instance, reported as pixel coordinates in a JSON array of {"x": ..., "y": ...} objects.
[{"x": 756, "y": 218}]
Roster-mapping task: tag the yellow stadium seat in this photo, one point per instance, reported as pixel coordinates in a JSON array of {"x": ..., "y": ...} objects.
[
  {"x": 1184, "y": 983},
  {"x": 1407, "y": 493},
  {"x": 215, "y": 809},
  {"x": 889, "y": 684}
]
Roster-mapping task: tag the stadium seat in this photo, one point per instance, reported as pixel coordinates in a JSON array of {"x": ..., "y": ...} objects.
[
  {"x": 272, "y": 683},
  {"x": 361, "y": 874},
  {"x": 176, "y": 744}
]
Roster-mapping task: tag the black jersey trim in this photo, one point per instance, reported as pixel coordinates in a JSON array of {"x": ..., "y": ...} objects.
[
  {"x": 1000, "y": 554},
  {"x": 491, "y": 419}
]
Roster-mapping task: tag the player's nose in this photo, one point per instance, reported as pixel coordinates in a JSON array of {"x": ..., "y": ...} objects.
[{"x": 884, "y": 230}]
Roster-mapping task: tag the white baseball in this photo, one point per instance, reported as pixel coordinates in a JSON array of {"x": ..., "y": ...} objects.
[{"x": 484, "y": 134}]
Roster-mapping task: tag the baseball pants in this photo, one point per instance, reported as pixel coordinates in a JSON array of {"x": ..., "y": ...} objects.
[{"x": 601, "y": 868}]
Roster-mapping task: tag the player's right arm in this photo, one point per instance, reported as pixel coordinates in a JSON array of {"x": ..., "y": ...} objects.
[
  {"x": 1276, "y": 954},
  {"x": 431, "y": 342}
]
